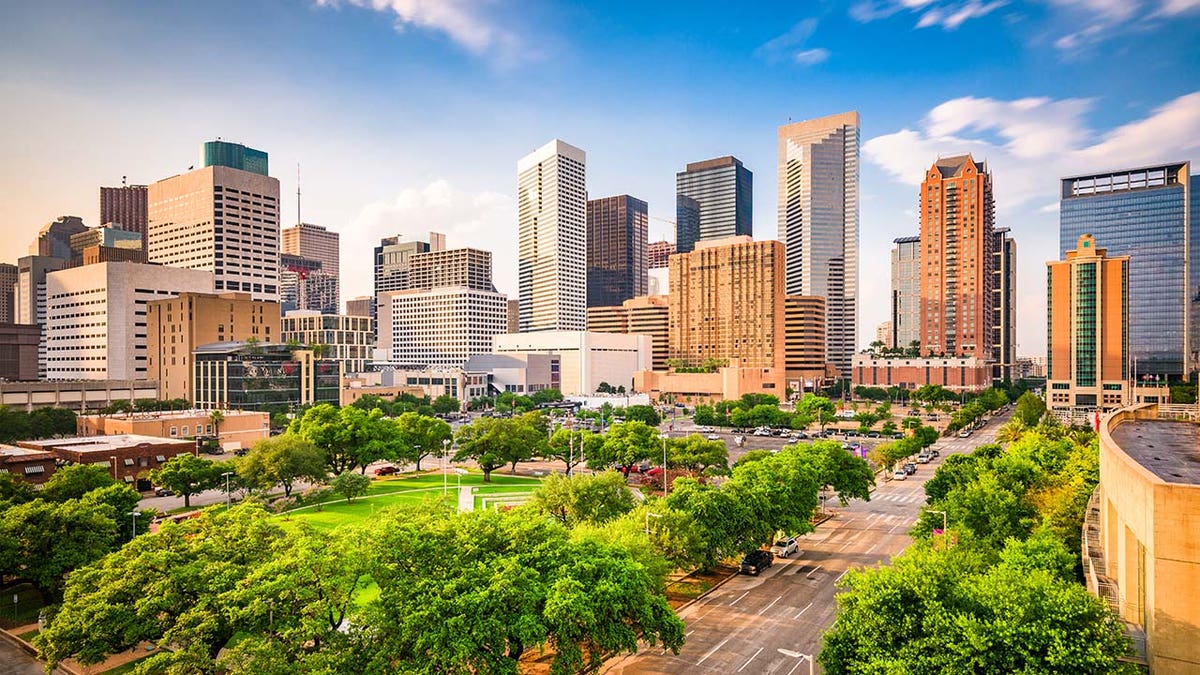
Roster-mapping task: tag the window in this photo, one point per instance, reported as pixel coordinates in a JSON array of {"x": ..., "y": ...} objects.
[
  {"x": 128, "y": 461},
  {"x": 186, "y": 429},
  {"x": 38, "y": 468},
  {"x": 174, "y": 432},
  {"x": 160, "y": 458}
]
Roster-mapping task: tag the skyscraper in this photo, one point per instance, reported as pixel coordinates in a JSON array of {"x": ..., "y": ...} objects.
[
  {"x": 818, "y": 222},
  {"x": 1087, "y": 309},
  {"x": 616, "y": 250},
  {"x": 54, "y": 239},
  {"x": 315, "y": 243},
  {"x": 1149, "y": 214},
  {"x": 906, "y": 291},
  {"x": 687, "y": 223},
  {"x": 957, "y": 235},
  {"x": 8, "y": 282},
  {"x": 126, "y": 205},
  {"x": 304, "y": 285},
  {"x": 392, "y": 258},
  {"x": 234, "y": 156},
  {"x": 724, "y": 192},
  {"x": 29, "y": 296},
  {"x": 552, "y": 238},
  {"x": 1004, "y": 305},
  {"x": 221, "y": 219}
]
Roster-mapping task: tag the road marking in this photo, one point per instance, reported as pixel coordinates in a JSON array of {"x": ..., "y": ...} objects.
[
  {"x": 809, "y": 575},
  {"x": 769, "y": 606},
  {"x": 751, "y": 659},
  {"x": 689, "y": 633},
  {"x": 798, "y": 662},
  {"x": 834, "y": 581},
  {"x": 802, "y": 611},
  {"x": 712, "y": 651},
  {"x": 894, "y": 527},
  {"x": 872, "y": 549},
  {"x": 739, "y": 598}
]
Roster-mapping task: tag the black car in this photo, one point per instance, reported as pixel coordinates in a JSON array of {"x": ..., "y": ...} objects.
[
  {"x": 163, "y": 492},
  {"x": 756, "y": 561},
  {"x": 910, "y": 468}
]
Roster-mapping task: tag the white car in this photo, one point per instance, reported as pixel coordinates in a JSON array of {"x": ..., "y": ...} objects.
[
  {"x": 713, "y": 437},
  {"x": 762, "y": 432},
  {"x": 965, "y": 433},
  {"x": 785, "y": 547},
  {"x": 900, "y": 474}
]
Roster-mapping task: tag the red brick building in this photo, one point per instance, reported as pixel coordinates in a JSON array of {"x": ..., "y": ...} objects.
[
  {"x": 31, "y": 466},
  {"x": 128, "y": 456},
  {"x": 964, "y": 373}
]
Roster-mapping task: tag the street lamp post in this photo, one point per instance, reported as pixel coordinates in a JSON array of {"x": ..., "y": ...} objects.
[
  {"x": 664, "y": 440},
  {"x": 228, "y": 494},
  {"x": 133, "y": 527},
  {"x": 114, "y": 463},
  {"x": 943, "y": 520},
  {"x": 445, "y": 451},
  {"x": 459, "y": 473}
]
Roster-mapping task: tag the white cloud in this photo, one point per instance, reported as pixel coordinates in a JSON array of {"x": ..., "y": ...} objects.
[
  {"x": 461, "y": 20},
  {"x": 485, "y": 220},
  {"x": 1176, "y": 7},
  {"x": 948, "y": 14},
  {"x": 811, "y": 57},
  {"x": 788, "y": 46}
]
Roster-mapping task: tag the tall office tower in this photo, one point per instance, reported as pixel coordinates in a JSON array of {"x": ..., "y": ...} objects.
[
  {"x": 724, "y": 191},
  {"x": 658, "y": 253},
  {"x": 349, "y": 340},
  {"x": 437, "y": 241},
  {"x": 552, "y": 237},
  {"x": 8, "y": 302},
  {"x": 126, "y": 205},
  {"x": 359, "y": 305},
  {"x": 906, "y": 292},
  {"x": 176, "y": 326},
  {"x": 233, "y": 156},
  {"x": 727, "y": 303},
  {"x": 1088, "y": 298},
  {"x": 616, "y": 249},
  {"x": 957, "y": 235},
  {"x": 687, "y": 223},
  {"x": 467, "y": 267},
  {"x": 304, "y": 285},
  {"x": 391, "y": 262},
  {"x": 1004, "y": 305},
  {"x": 1150, "y": 214},
  {"x": 54, "y": 239},
  {"x": 316, "y": 243},
  {"x": 107, "y": 244},
  {"x": 108, "y": 340},
  {"x": 644, "y": 315},
  {"x": 818, "y": 222},
  {"x": 221, "y": 219},
  {"x": 29, "y": 296}
]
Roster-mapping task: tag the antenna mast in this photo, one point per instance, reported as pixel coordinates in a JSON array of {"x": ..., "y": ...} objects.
[{"x": 298, "y": 221}]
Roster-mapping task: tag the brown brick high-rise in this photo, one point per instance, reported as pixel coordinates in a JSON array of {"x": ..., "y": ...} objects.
[{"x": 127, "y": 205}]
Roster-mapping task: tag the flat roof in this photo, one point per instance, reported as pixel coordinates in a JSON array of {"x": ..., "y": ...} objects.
[
  {"x": 14, "y": 451},
  {"x": 103, "y": 443},
  {"x": 1167, "y": 448},
  {"x": 176, "y": 414}
]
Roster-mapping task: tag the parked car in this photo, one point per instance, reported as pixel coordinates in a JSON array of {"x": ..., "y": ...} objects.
[
  {"x": 784, "y": 547},
  {"x": 924, "y": 458},
  {"x": 873, "y": 434},
  {"x": 965, "y": 433},
  {"x": 900, "y": 474},
  {"x": 387, "y": 470},
  {"x": 756, "y": 561},
  {"x": 762, "y": 432},
  {"x": 163, "y": 492},
  {"x": 799, "y": 435},
  {"x": 933, "y": 451},
  {"x": 909, "y": 468},
  {"x": 713, "y": 437},
  {"x": 653, "y": 472}
]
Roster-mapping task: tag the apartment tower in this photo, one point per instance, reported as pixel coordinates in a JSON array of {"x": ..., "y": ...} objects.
[
  {"x": 1004, "y": 305},
  {"x": 818, "y": 222},
  {"x": 127, "y": 206},
  {"x": 552, "y": 238},
  {"x": 906, "y": 291},
  {"x": 724, "y": 193},
  {"x": 957, "y": 236},
  {"x": 658, "y": 253},
  {"x": 315, "y": 242},
  {"x": 616, "y": 249}
]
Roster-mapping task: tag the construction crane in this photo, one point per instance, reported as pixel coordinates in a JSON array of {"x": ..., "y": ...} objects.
[{"x": 673, "y": 224}]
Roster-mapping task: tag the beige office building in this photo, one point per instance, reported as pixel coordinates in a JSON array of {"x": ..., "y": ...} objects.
[
  {"x": 236, "y": 429},
  {"x": 585, "y": 358},
  {"x": 177, "y": 326},
  {"x": 314, "y": 242},
  {"x": 804, "y": 340},
  {"x": 349, "y": 340},
  {"x": 222, "y": 220},
  {"x": 644, "y": 315}
]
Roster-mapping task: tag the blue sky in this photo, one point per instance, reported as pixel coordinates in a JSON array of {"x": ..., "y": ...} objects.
[{"x": 409, "y": 115}]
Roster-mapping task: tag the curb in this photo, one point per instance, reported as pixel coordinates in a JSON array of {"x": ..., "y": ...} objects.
[{"x": 29, "y": 649}]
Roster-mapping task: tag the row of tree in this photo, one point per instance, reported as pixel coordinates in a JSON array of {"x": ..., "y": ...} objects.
[
  {"x": 18, "y": 425},
  {"x": 755, "y": 410}
]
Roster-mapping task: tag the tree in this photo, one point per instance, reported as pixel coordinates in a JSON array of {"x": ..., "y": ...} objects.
[
  {"x": 282, "y": 460},
  {"x": 76, "y": 480},
  {"x": 123, "y": 500},
  {"x": 350, "y": 485},
  {"x": 421, "y": 436},
  {"x": 13, "y": 490},
  {"x": 696, "y": 453},
  {"x": 604, "y": 388},
  {"x": 445, "y": 404},
  {"x": 818, "y": 408},
  {"x": 1030, "y": 409},
  {"x": 216, "y": 417},
  {"x": 546, "y": 396},
  {"x": 14, "y": 425},
  {"x": 351, "y": 437},
  {"x": 48, "y": 422},
  {"x": 836, "y": 467},
  {"x": 494, "y": 442},
  {"x": 572, "y": 447},
  {"x": 594, "y": 499},
  {"x": 187, "y": 475},
  {"x": 643, "y": 413},
  {"x": 42, "y": 541},
  {"x": 624, "y": 445}
]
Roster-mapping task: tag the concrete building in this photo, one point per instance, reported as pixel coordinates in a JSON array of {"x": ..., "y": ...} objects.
[
  {"x": 77, "y": 395},
  {"x": 54, "y": 239},
  {"x": 906, "y": 292},
  {"x": 687, "y": 223},
  {"x": 805, "y": 364},
  {"x": 1139, "y": 554},
  {"x": 441, "y": 327},
  {"x": 355, "y": 387},
  {"x": 349, "y": 340},
  {"x": 314, "y": 242},
  {"x": 359, "y": 306},
  {"x": 658, "y": 253},
  {"x": 304, "y": 284},
  {"x": 616, "y": 249},
  {"x": 442, "y": 268},
  {"x": 248, "y": 376},
  {"x": 586, "y": 359},
  {"x": 958, "y": 373},
  {"x": 8, "y": 300},
  {"x": 392, "y": 258},
  {"x": 957, "y": 235},
  {"x": 19, "y": 351},
  {"x": 514, "y": 316},
  {"x": 92, "y": 255},
  {"x": 1004, "y": 305},
  {"x": 222, "y": 220},
  {"x": 129, "y": 457},
  {"x": 126, "y": 206},
  {"x": 107, "y": 235},
  {"x": 724, "y": 191},
  {"x": 552, "y": 238},
  {"x": 236, "y": 429},
  {"x": 31, "y": 466},
  {"x": 435, "y": 382},
  {"x": 884, "y": 334},
  {"x": 722, "y": 384},
  {"x": 96, "y": 325},
  {"x": 1149, "y": 214},
  {"x": 1087, "y": 341},
  {"x": 521, "y": 374},
  {"x": 646, "y": 315},
  {"x": 29, "y": 296}
]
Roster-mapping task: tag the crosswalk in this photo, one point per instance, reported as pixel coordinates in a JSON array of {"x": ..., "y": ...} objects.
[{"x": 898, "y": 498}]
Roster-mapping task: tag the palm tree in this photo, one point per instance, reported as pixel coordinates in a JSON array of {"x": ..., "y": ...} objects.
[
  {"x": 216, "y": 417},
  {"x": 1011, "y": 431}
]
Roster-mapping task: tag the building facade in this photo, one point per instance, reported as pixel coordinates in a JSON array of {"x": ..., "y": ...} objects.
[
  {"x": 349, "y": 340},
  {"x": 248, "y": 376},
  {"x": 1004, "y": 305},
  {"x": 687, "y": 223},
  {"x": 31, "y": 466},
  {"x": 19, "y": 351},
  {"x": 108, "y": 237},
  {"x": 906, "y": 291},
  {"x": 129, "y": 457},
  {"x": 359, "y": 306},
  {"x": 1149, "y": 214},
  {"x": 314, "y": 242},
  {"x": 521, "y": 374},
  {"x": 552, "y": 238},
  {"x": 97, "y": 327},
  {"x": 958, "y": 373},
  {"x": 235, "y": 429},
  {"x": 177, "y": 326},
  {"x": 126, "y": 206},
  {"x": 222, "y": 220},
  {"x": 439, "y": 327},
  {"x": 957, "y": 235},
  {"x": 885, "y": 335},
  {"x": 304, "y": 284},
  {"x": 616, "y": 249},
  {"x": 804, "y": 325},
  {"x": 77, "y": 395},
  {"x": 8, "y": 299},
  {"x": 392, "y": 258},
  {"x": 818, "y": 200},
  {"x": 586, "y": 359},
  {"x": 54, "y": 239},
  {"x": 645, "y": 315},
  {"x": 440, "y": 268},
  {"x": 1087, "y": 343},
  {"x": 658, "y": 253},
  {"x": 234, "y": 156},
  {"x": 724, "y": 191},
  {"x": 29, "y": 297}
]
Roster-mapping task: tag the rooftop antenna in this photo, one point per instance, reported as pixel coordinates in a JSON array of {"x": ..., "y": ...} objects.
[
  {"x": 298, "y": 221},
  {"x": 123, "y": 178}
]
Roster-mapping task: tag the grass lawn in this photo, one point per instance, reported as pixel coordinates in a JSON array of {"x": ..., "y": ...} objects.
[{"x": 24, "y": 611}]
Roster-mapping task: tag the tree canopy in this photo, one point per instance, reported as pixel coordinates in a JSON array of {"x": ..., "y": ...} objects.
[
  {"x": 282, "y": 460},
  {"x": 187, "y": 475}
]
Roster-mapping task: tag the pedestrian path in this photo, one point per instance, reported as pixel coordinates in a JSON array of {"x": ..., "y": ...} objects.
[
  {"x": 466, "y": 499},
  {"x": 898, "y": 499}
]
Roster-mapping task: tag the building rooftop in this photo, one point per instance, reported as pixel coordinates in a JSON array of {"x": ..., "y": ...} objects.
[
  {"x": 177, "y": 414},
  {"x": 101, "y": 443},
  {"x": 14, "y": 451},
  {"x": 1167, "y": 448}
]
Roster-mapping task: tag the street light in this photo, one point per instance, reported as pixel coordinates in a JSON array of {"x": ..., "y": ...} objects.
[
  {"x": 664, "y": 440},
  {"x": 445, "y": 451},
  {"x": 458, "y": 503},
  {"x": 227, "y": 474},
  {"x": 114, "y": 464},
  {"x": 133, "y": 528},
  {"x": 943, "y": 520},
  {"x": 798, "y": 655}
]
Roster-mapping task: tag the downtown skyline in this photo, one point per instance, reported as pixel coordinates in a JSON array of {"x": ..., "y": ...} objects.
[{"x": 407, "y": 131}]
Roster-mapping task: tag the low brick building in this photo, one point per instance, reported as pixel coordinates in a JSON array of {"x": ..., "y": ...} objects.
[
  {"x": 31, "y": 466},
  {"x": 960, "y": 373},
  {"x": 238, "y": 429},
  {"x": 128, "y": 456}
]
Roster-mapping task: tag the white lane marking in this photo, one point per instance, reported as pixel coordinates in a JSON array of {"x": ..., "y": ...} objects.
[
  {"x": 739, "y": 598},
  {"x": 689, "y": 633},
  {"x": 751, "y": 659},
  {"x": 845, "y": 546},
  {"x": 802, "y": 611},
  {"x": 834, "y": 581},
  {"x": 809, "y": 575},
  {"x": 872, "y": 549},
  {"x": 769, "y": 606},
  {"x": 712, "y": 651},
  {"x": 894, "y": 527},
  {"x": 798, "y": 662}
]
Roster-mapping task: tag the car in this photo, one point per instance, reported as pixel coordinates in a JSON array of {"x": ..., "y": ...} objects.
[
  {"x": 785, "y": 547},
  {"x": 756, "y": 561},
  {"x": 739, "y": 441},
  {"x": 934, "y": 452},
  {"x": 713, "y": 437},
  {"x": 762, "y": 432},
  {"x": 163, "y": 492},
  {"x": 799, "y": 435},
  {"x": 914, "y": 412},
  {"x": 924, "y": 458},
  {"x": 387, "y": 470},
  {"x": 900, "y": 474},
  {"x": 873, "y": 434},
  {"x": 909, "y": 468},
  {"x": 653, "y": 471},
  {"x": 965, "y": 433}
]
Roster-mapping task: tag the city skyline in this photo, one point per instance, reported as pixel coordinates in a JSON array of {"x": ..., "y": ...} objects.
[{"x": 1045, "y": 114}]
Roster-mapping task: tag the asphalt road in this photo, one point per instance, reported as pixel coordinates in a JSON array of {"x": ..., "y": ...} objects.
[{"x": 767, "y": 624}]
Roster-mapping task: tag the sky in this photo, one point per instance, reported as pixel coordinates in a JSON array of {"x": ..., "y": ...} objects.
[{"x": 409, "y": 116}]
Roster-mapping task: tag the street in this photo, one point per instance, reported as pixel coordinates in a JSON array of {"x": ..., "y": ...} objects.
[{"x": 773, "y": 623}]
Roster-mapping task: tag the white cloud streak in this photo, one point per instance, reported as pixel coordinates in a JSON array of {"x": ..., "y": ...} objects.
[
  {"x": 460, "y": 20},
  {"x": 947, "y": 14},
  {"x": 789, "y": 46}
]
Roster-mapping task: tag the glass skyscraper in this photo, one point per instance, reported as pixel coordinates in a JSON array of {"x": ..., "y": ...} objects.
[
  {"x": 1149, "y": 214},
  {"x": 724, "y": 191},
  {"x": 235, "y": 156}
]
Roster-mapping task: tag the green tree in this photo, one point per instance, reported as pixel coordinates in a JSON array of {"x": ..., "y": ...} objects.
[
  {"x": 14, "y": 425},
  {"x": 351, "y": 437},
  {"x": 838, "y": 468},
  {"x": 818, "y": 408},
  {"x": 75, "y": 481},
  {"x": 187, "y": 475},
  {"x": 594, "y": 499},
  {"x": 421, "y": 436},
  {"x": 216, "y": 417},
  {"x": 547, "y": 396},
  {"x": 123, "y": 500},
  {"x": 643, "y": 413},
  {"x": 445, "y": 404},
  {"x": 1030, "y": 409},
  {"x": 13, "y": 490},
  {"x": 494, "y": 442},
  {"x": 626, "y": 444},
  {"x": 48, "y": 422},
  {"x": 350, "y": 485},
  {"x": 698, "y": 454},
  {"x": 282, "y": 460},
  {"x": 43, "y": 541},
  {"x": 572, "y": 447}
]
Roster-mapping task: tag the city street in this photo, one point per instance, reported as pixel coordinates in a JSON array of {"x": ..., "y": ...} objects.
[{"x": 767, "y": 624}]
